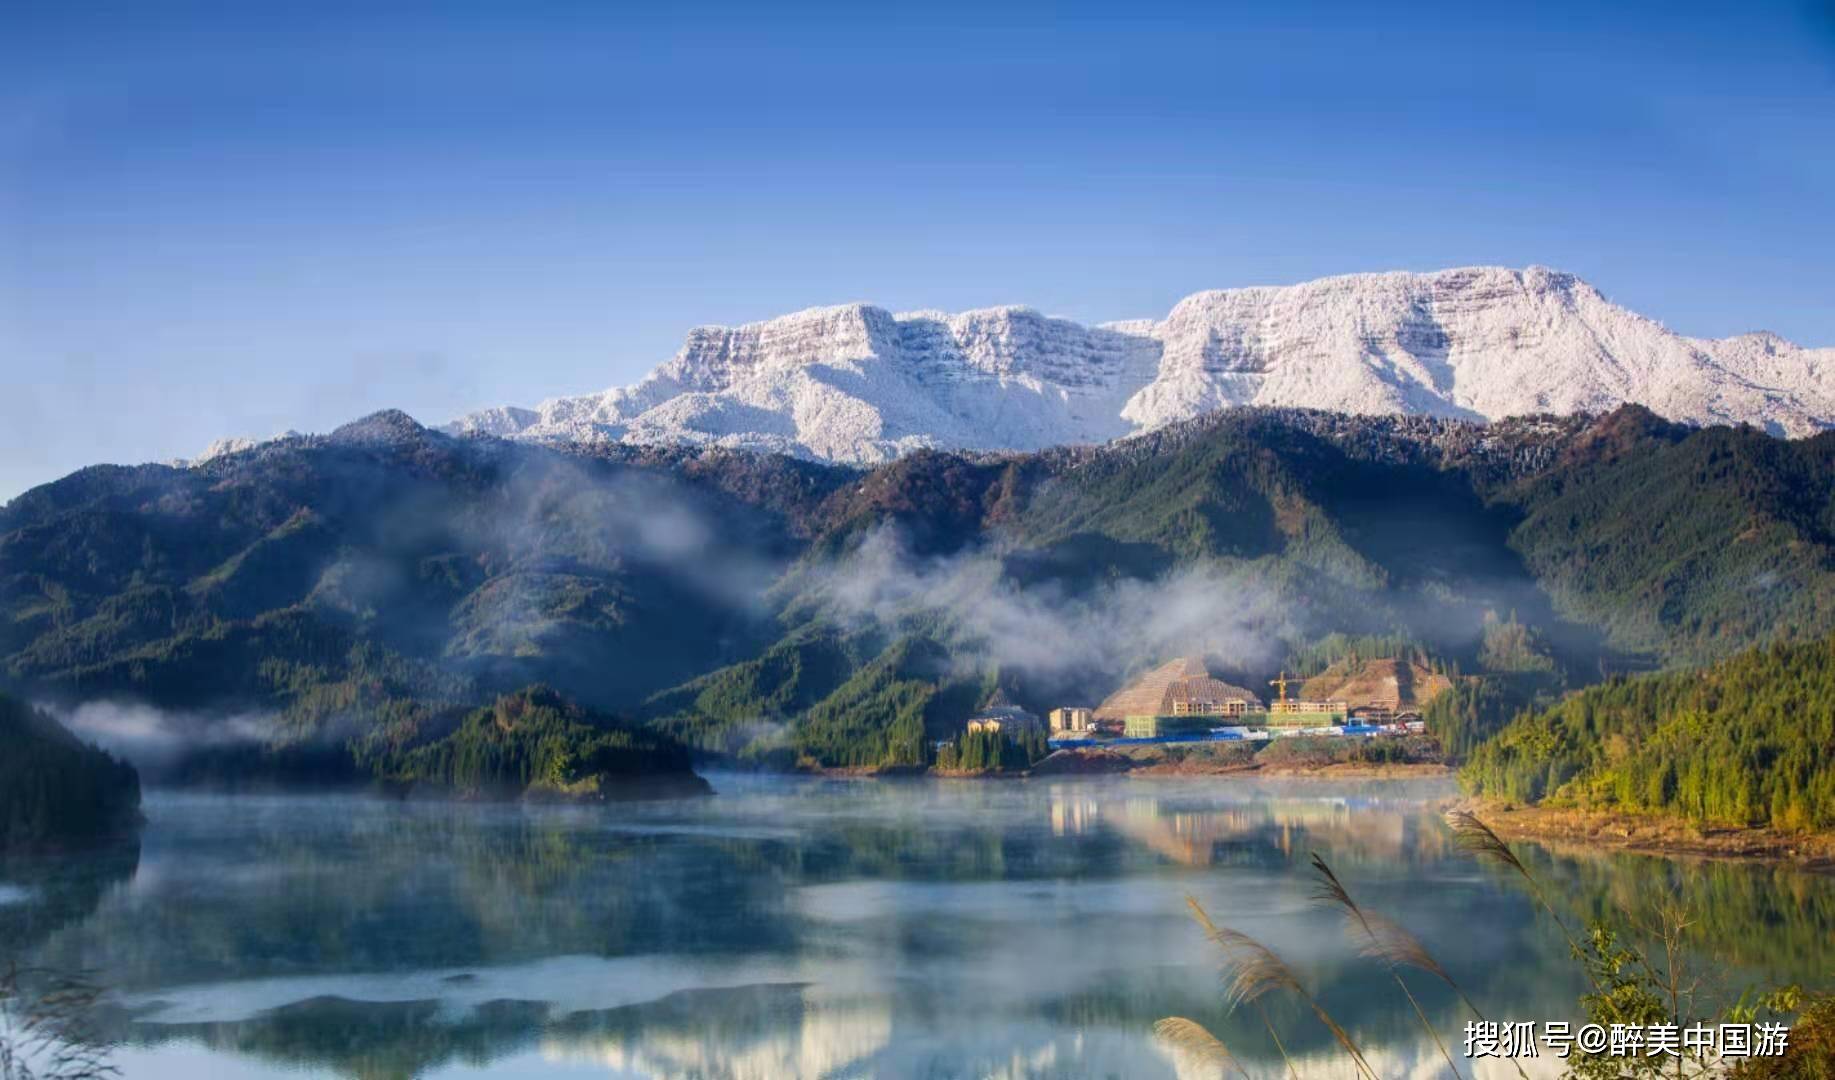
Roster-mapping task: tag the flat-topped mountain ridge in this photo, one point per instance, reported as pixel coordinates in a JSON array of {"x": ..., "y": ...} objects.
[{"x": 858, "y": 383}]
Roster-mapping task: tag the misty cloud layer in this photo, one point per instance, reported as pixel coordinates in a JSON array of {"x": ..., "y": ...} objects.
[
  {"x": 1204, "y": 609},
  {"x": 149, "y": 736}
]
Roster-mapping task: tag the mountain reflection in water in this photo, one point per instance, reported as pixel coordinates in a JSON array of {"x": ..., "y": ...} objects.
[{"x": 805, "y": 927}]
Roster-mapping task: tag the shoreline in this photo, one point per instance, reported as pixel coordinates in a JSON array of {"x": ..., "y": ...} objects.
[
  {"x": 1604, "y": 830},
  {"x": 1559, "y": 829},
  {"x": 1350, "y": 770},
  {"x": 1228, "y": 760},
  {"x": 1099, "y": 762}
]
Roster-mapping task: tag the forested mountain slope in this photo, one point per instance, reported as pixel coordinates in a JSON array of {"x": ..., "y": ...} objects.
[
  {"x": 55, "y": 789},
  {"x": 1745, "y": 741},
  {"x": 322, "y": 587}
]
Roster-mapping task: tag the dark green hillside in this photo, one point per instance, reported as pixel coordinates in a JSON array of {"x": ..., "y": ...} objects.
[
  {"x": 1365, "y": 545},
  {"x": 324, "y": 576},
  {"x": 830, "y": 697},
  {"x": 782, "y": 683},
  {"x": 339, "y": 583},
  {"x": 1745, "y": 741},
  {"x": 1683, "y": 543},
  {"x": 889, "y": 712},
  {"x": 1322, "y": 541},
  {"x": 1476, "y": 708},
  {"x": 1409, "y": 529},
  {"x": 55, "y": 789},
  {"x": 537, "y": 743},
  {"x": 938, "y": 502}
]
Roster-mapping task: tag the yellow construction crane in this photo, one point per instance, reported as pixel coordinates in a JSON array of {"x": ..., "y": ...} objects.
[{"x": 1281, "y": 684}]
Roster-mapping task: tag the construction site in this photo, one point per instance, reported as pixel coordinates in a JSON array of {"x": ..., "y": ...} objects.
[{"x": 1181, "y": 701}]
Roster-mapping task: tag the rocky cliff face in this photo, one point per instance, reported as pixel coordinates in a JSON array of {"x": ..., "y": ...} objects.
[{"x": 857, "y": 383}]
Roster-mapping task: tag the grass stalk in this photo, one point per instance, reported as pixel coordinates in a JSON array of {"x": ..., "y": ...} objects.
[
  {"x": 1332, "y": 891},
  {"x": 1254, "y": 970},
  {"x": 1478, "y": 838},
  {"x": 1193, "y": 1038}
]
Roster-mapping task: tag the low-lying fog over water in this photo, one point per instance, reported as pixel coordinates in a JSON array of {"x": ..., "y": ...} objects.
[{"x": 833, "y": 928}]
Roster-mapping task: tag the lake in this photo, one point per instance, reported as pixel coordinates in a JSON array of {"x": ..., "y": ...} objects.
[{"x": 827, "y": 928}]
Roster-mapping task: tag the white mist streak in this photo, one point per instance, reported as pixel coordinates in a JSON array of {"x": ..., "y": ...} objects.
[{"x": 1203, "y": 609}]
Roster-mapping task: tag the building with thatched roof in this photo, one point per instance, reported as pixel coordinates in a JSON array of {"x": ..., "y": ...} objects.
[{"x": 1183, "y": 687}]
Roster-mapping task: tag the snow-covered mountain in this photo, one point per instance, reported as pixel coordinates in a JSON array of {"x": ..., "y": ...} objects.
[
  {"x": 858, "y": 383},
  {"x": 229, "y": 444}
]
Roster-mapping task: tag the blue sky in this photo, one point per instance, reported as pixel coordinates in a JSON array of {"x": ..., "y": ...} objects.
[{"x": 235, "y": 219}]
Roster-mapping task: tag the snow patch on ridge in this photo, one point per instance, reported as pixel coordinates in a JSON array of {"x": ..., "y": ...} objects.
[{"x": 233, "y": 444}]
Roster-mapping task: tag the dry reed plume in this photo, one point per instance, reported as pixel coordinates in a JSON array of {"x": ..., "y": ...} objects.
[{"x": 1253, "y": 970}]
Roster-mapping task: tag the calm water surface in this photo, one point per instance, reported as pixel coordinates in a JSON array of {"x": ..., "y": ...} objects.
[{"x": 795, "y": 927}]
